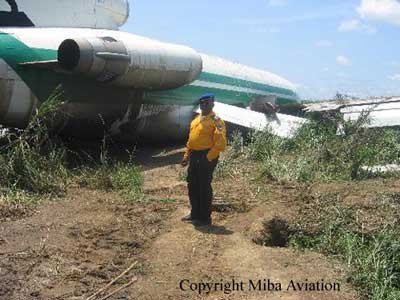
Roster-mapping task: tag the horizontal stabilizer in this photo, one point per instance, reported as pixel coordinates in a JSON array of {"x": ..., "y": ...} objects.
[{"x": 280, "y": 124}]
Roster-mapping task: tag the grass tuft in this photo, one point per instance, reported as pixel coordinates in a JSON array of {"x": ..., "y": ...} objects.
[
  {"x": 334, "y": 149},
  {"x": 34, "y": 161},
  {"x": 373, "y": 258}
]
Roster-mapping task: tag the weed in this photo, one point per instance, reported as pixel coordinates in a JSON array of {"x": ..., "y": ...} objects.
[
  {"x": 109, "y": 174},
  {"x": 318, "y": 152},
  {"x": 373, "y": 257},
  {"x": 33, "y": 161},
  {"x": 226, "y": 164}
]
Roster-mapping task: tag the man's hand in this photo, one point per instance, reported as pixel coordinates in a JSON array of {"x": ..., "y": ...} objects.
[{"x": 184, "y": 162}]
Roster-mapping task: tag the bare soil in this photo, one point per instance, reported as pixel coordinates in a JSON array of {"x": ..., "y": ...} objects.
[{"x": 68, "y": 248}]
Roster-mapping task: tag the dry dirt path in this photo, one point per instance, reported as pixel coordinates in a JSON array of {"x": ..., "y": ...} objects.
[
  {"x": 225, "y": 251},
  {"x": 68, "y": 248}
]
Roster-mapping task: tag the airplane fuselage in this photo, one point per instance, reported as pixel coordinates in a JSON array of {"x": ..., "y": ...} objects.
[{"x": 123, "y": 109}]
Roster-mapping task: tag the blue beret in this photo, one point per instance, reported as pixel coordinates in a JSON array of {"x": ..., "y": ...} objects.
[{"x": 207, "y": 96}]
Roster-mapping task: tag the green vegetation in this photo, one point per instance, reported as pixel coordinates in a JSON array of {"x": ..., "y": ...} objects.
[
  {"x": 35, "y": 163},
  {"x": 371, "y": 252},
  {"x": 110, "y": 174},
  {"x": 227, "y": 166},
  {"x": 333, "y": 149}
]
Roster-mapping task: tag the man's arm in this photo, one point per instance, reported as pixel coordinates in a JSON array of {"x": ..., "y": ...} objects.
[
  {"x": 186, "y": 156},
  {"x": 219, "y": 139}
]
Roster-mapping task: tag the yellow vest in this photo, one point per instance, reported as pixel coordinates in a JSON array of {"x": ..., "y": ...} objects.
[{"x": 207, "y": 132}]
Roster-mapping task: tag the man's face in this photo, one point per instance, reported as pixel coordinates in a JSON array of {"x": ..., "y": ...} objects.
[{"x": 206, "y": 107}]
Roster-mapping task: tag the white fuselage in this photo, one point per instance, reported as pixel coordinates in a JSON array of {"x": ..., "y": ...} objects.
[{"x": 113, "y": 80}]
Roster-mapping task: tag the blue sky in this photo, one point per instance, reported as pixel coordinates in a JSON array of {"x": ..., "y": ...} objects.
[{"x": 350, "y": 46}]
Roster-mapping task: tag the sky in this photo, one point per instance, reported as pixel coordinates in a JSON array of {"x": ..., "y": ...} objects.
[{"x": 322, "y": 46}]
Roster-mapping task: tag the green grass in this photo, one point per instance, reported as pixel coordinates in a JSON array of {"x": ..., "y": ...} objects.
[
  {"x": 317, "y": 152},
  {"x": 110, "y": 174},
  {"x": 329, "y": 151},
  {"x": 35, "y": 163},
  {"x": 373, "y": 258},
  {"x": 228, "y": 161}
]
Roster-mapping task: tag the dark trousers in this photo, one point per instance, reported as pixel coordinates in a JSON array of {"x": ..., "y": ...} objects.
[{"x": 200, "y": 175}]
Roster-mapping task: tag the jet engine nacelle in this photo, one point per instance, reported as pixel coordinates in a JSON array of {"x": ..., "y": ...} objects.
[{"x": 142, "y": 64}]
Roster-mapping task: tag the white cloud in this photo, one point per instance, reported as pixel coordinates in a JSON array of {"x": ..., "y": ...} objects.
[
  {"x": 395, "y": 77},
  {"x": 324, "y": 43},
  {"x": 349, "y": 25},
  {"x": 355, "y": 25},
  {"x": 381, "y": 10},
  {"x": 277, "y": 3},
  {"x": 343, "y": 60}
]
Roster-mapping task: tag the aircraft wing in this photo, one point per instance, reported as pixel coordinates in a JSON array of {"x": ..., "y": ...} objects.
[
  {"x": 381, "y": 115},
  {"x": 383, "y": 112},
  {"x": 280, "y": 124}
]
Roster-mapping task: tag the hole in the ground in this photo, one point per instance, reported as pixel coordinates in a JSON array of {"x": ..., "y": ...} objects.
[{"x": 275, "y": 233}]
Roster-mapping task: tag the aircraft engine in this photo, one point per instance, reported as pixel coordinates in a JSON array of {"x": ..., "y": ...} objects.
[{"x": 130, "y": 62}]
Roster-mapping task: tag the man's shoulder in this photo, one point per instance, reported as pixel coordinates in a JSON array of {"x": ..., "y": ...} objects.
[
  {"x": 196, "y": 118},
  {"x": 216, "y": 118},
  {"x": 218, "y": 122}
]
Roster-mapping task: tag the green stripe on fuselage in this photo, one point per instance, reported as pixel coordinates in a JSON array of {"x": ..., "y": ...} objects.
[
  {"x": 14, "y": 52},
  {"x": 244, "y": 83},
  {"x": 43, "y": 82},
  {"x": 189, "y": 94}
]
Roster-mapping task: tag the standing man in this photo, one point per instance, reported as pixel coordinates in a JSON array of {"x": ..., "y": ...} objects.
[{"x": 207, "y": 139}]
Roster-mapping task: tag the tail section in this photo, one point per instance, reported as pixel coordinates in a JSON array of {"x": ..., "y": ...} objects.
[
  {"x": 107, "y": 14},
  {"x": 14, "y": 17}
]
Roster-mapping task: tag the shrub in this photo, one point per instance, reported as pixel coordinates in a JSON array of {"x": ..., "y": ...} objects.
[
  {"x": 110, "y": 174},
  {"x": 373, "y": 258},
  {"x": 333, "y": 149},
  {"x": 33, "y": 161}
]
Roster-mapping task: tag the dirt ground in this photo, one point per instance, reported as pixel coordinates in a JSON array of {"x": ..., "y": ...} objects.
[{"x": 70, "y": 247}]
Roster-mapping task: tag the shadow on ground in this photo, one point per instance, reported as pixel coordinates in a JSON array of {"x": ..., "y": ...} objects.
[{"x": 214, "y": 229}]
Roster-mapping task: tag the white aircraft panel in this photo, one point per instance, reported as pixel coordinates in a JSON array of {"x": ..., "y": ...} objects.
[
  {"x": 280, "y": 124},
  {"x": 108, "y": 14},
  {"x": 382, "y": 115}
]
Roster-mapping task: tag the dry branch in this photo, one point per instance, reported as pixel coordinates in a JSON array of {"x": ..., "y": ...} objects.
[{"x": 103, "y": 289}]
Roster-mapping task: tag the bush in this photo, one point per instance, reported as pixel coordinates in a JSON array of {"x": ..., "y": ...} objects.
[
  {"x": 32, "y": 161},
  {"x": 227, "y": 161},
  {"x": 109, "y": 174},
  {"x": 333, "y": 149},
  {"x": 373, "y": 258}
]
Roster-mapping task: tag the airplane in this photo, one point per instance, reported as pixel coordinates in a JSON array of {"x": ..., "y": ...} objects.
[{"x": 120, "y": 83}]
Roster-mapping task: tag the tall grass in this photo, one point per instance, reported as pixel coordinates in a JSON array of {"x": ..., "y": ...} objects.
[
  {"x": 334, "y": 149},
  {"x": 227, "y": 163},
  {"x": 110, "y": 174},
  {"x": 33, "y": 161},
  {"x": 373, "y": 258}
]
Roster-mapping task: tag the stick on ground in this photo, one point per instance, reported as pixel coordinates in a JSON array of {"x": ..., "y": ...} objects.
[
  {"x": 111, "y": 282},
  {"x": 134, "y": 279}
]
